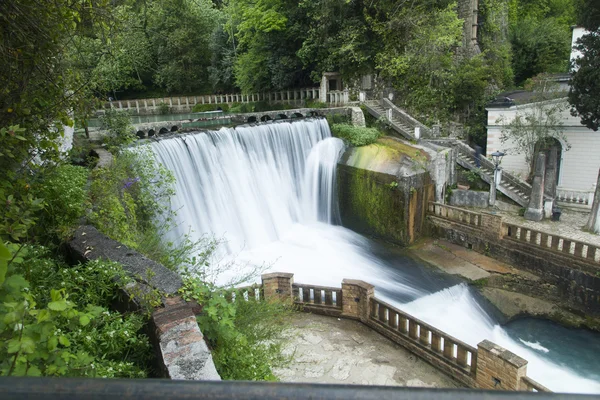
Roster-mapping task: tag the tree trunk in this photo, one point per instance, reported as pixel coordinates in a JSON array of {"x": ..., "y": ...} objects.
[{"x": 592, "y": 224}]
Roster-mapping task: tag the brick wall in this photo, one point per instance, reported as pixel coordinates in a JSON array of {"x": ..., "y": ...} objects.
[{"x": 498, "y": 368}]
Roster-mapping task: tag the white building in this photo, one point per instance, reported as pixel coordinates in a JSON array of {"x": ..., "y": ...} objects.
[{"x": 577, "y": 167}]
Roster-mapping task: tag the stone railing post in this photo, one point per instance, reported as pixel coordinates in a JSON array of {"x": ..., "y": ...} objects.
[
  {"x": 492, "y": 225},
  {"x": 278, "y": 285},
  {"x": 498, "y": 368},
  {"x": 356, "y": 296}
]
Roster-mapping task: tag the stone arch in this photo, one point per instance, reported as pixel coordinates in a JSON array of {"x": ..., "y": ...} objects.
[
  {"x": 163, "y": 131},
  {"x": 281, "y": 116},
  {"x": 313, "y": 114},
  {"x": 174, "y": 128},
  {"x": 252, "y": 119},
  {"x": 141, "y": 134},
  {"x": 151, "y": 133},
  {"x": 266, "y": 118},
  {"x": 297, "y": 115}
]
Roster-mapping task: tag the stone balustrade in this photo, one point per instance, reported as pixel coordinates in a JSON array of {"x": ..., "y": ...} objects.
[
  {"x": 445, "y": 348},
  {"x": 577, "y": 198},
  {"x": 488, "y": 366},
  {"x": 456, "y": 214},
  {"x": 328, "y": 300},
  {"x": 563, "y": 245},
  {"x": 529, "y": 385},
  {"x": 187, "y": 103}
]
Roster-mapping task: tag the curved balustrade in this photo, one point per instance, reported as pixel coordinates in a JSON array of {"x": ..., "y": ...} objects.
[{"x": 443, "y": 346}]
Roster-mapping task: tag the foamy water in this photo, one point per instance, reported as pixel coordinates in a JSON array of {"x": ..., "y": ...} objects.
[{"x": 269, "y": 191}]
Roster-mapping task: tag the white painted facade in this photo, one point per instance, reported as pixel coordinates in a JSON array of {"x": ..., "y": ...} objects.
[{"x": 579, "y": 165}]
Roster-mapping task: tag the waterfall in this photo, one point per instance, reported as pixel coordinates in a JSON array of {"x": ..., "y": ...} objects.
[
  {"x": 269, "y": 191},
  {"x": 251, "y": 184}
]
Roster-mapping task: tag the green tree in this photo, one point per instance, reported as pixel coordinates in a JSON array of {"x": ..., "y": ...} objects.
[
  {"x": 536, "y": 125},
  {"x": 585, "y": 83}
]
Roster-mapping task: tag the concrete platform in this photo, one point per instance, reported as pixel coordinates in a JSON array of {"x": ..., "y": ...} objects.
[{"x": 332, "y": 350}]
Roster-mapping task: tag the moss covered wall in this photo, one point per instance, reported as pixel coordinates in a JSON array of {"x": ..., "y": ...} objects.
[{"x": 372, "y": 204}]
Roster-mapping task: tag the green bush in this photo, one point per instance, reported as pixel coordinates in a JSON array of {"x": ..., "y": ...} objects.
[
  {"x": 130, "y": 198},
  {"x": 65, "y": 197},
  {"x": 210, "y": 107},
  {"x": 119, "y": 131},
  {"x": 316, "y": 104},
  {"x": 246, "y": 336},
  {"x": 355, "y": 135},
  {"x": 56, "y": 321}
]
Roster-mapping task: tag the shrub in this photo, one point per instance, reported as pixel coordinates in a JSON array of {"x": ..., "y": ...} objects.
[
  {"x": 119, "y": 131},
  {"x": 246, "y": 336},
  {"x": 130, "y": 198},
  {"x": 355, "y": 135},
  {"x": 56, "y": 321},
  {"x": 316, "y": 104},
  {"x": 65, "y": 196},
  {"x": 210, "y": 107}
]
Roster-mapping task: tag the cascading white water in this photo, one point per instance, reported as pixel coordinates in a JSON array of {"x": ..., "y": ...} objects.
[{"x": 269, "y": 191}]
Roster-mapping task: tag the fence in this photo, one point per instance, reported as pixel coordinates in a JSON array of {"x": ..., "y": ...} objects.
[
  {"x": 547, "y": 241},
  {"x": 356, "y": 300},
  {"x": 187, "y": 103},
  {"x": 577, "y": 198}
]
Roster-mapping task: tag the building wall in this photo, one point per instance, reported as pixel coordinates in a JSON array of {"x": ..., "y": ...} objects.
[{"x": 579, "y": 165}]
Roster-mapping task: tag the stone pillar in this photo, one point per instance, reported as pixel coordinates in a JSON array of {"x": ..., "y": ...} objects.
[
  {"x": 356, "y": 296},
  {"x": 498, "y": 368},
  {"x": 551, "y": 170},
  {"x": 323, "y": 90},
  {"x": 278, "y": 285},
  {"x": 594, "y": 218},
  {"x": 535, "y": 209}
]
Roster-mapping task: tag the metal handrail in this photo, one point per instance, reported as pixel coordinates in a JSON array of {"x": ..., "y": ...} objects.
[{"x": 161, "y": 389}]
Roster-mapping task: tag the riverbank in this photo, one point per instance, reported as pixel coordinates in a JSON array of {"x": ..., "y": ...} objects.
[{"x": 502, "y": 285}]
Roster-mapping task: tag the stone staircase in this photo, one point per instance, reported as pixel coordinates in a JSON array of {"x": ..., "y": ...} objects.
[
  {"x": 379, "y": 109},
  {"x": 511, "y": 186}
]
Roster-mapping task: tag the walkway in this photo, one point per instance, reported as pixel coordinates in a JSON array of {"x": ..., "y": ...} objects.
[
  {"x": 332, "y": 350},
  {"x": 570, "y": 224}
]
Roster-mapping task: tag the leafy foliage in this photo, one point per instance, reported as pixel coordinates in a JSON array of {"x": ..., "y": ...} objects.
[
  {"x": 119, "y": 131},
  {"x": 246, "y": 335},
  {"x": 355, "y": 135},
  {"x": 585, "y": 83},
  {"x": 65, "y": 199},
  {"x": 130, "y": 198},
  {"x": 56, "y": 322},
  {"x": 535, "y": 125}
]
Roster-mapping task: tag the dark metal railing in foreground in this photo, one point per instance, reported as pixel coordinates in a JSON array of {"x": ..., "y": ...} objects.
[{"x": 136, "y": 389}]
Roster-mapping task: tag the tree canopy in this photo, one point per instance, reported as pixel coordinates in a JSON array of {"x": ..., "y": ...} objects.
[{"x": 585, "y": 83}]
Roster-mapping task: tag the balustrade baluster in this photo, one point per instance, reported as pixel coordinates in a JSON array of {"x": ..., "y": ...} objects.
[
  {"x": 402, "y": 322},
  {"x": 296, "y": 293},
  {"x": 374, "y": 309},
  {"x": 412, "y": 329},
  {"x": 461, "y": 356},
  {"x": 317, "y": 298},
  {"x": 393, "y": 319},
  {"x": 566, "y": 247},
  {"x": 383, "y": 314},
  {"x": 306, "y": 295},
  {"x": 544, "y": 240},
  {"x": 328, "y": 297},
  {"x": 436, "y": 342},
  {"x": 424, "y": 336},
  {"x": 578, "y": 249},
  {"x": 554, "y": 243},
  {"x": 448, "y": 349}
]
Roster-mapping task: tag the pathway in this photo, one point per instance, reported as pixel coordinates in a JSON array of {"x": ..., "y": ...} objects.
[{"x": 332, "y": 350}]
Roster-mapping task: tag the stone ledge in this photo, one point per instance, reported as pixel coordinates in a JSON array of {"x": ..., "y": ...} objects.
[
  {"x": 181, "y": 345},
  {"x": 362, "y": 284},
  {"x": 277, "y": 275},
  {"x": 90, "y": 244},
  {"x": 502, "y": 353}
]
